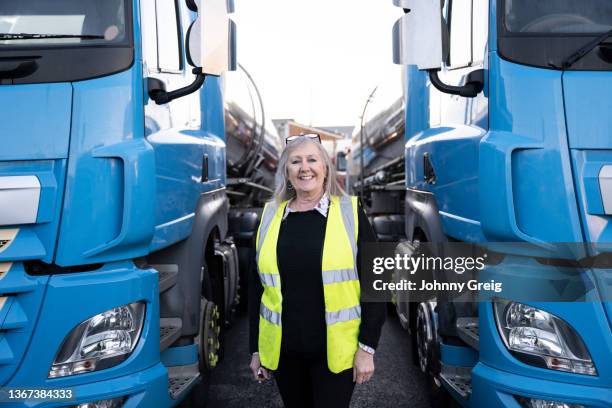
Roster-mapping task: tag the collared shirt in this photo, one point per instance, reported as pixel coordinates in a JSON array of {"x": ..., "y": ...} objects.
[{"x": 321, "y": 207}]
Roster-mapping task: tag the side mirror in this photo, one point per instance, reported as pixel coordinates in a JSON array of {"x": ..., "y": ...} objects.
[
  {"x": 418, "y": 40},
  {"x": 211, "y": 38},
  {"x": 211, "y": 45},
  {"x": 417, "y": 35}
]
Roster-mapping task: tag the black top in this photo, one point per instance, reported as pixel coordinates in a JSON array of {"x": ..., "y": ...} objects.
[{"x": 299, "y": 256}]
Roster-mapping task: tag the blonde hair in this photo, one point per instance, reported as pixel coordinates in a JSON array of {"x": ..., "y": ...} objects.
[{"x": 282, "y": 192}]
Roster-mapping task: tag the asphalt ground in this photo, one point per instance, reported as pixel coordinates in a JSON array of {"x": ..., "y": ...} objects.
[{"x": 396, "y": 382}]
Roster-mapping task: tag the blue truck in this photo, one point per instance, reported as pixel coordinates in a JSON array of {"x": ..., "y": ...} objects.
[
  {"x": 507, "y": 140},
  {"x": 117, "y": 275}
]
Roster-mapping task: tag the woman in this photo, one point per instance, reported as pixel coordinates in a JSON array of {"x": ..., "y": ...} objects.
[{"x": 312, "y": 330}]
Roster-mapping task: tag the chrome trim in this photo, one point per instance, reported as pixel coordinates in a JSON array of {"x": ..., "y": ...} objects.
[
  {"x": 605, "y": 186},
  {"x": 19, "y": 199}
]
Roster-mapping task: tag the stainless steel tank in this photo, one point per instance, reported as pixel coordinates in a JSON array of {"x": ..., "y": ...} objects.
[{"x": 253, "y": 144}]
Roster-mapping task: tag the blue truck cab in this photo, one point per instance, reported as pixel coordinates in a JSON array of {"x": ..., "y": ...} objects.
[
  {"x": 116, "y": 277},
  {"x": 508, "y": 141}
]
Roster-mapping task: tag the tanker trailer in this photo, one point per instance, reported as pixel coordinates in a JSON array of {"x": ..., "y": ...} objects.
[
  {"x": 253, "y": 150},
  {"x": 376, "y": 171}
]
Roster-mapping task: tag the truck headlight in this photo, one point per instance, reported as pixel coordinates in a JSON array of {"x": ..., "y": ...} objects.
[
  {"x": 108, "y": 403},
  {"x": 100, "y": 342},
  {"x": 539, "y": 338},
  {"x": 538, "y": 403}
]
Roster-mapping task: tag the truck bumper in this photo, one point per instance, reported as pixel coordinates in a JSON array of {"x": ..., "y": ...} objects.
[
  {"x": 69, "y": 300},
  {"x": 145, "y": 389},
  {"x": 492, "y": 388}
]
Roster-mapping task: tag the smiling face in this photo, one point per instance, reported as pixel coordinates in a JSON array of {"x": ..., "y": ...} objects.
[{"x": 306, "y": 169}]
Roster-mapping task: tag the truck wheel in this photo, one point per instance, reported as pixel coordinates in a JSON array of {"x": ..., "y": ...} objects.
[
  {"x": 209, "y": 340},
  {"x": 428, "y": 355},
  {"x": 209, "y": 344},
  {"x": 424, "y": 339}
]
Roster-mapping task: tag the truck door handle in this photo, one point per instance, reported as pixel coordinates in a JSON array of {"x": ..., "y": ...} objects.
[
  {"x": 429, "y": 175},
  {"x": 204, "y": 168}
]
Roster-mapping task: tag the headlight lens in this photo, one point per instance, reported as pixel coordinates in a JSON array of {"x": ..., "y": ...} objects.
[
  {"x": 538, "y": 403},
  {"x": 528, "y": 331},
  {"x": 109, "y": 403},
  {"x": 100, "y": 342}
]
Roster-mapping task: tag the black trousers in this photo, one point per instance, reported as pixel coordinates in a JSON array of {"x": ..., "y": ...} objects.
[{"x": 304, "y": 381}]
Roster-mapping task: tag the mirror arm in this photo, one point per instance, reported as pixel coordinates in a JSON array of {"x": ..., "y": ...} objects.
[
  {"x": 469, "y": 90},
  {"x": 161, "y": 97}
]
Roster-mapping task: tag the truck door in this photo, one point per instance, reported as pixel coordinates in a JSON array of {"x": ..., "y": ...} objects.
[
  {"x": 185, "y": 155},
  {"x": 457, "y": 123}
]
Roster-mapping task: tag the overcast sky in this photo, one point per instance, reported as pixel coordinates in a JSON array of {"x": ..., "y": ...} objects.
[{"x": 316, "y": 61}]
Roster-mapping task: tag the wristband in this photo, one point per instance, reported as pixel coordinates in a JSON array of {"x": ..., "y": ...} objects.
[{"x": 367, "y": 349}]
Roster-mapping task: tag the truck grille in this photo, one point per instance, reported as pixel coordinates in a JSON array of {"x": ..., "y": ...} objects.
[{"x": 20, "y": 300}]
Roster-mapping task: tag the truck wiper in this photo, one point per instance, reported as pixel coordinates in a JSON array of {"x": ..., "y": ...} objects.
[
  {"x": 584, "y": 50},
  {"x": 27, "y": 36}
]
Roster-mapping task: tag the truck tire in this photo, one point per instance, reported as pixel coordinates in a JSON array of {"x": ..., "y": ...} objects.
[
  {"x": 209, "y": 341},
  {"x": 199, "y": 395},
  {"x": 429, "y": 359}
]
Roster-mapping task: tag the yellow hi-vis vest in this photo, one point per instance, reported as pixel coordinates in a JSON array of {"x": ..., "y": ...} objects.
[{"x": 341, "y": 288}]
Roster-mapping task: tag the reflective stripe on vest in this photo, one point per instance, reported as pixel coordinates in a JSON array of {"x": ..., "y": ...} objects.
[
  {"x": 340, "y": 283},
  {"x": 343, "y": 315},
  {"x": 269, "y": 315},
  {"x": 270, "y": 279},
  {"x": 339, "y": 275}
]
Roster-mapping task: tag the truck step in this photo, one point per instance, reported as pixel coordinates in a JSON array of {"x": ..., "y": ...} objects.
[
  {"x": 467, "y": 328},
  {"x": 169, "y": 331},
  {"x": 459, "y": 379},
  {"x": 168, "y": 275},
  {"x": 181, "y": 379}
]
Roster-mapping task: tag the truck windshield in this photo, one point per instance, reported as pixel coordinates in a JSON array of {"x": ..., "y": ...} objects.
[
  {"x": 558, "y": 16},
  {"x": 44, "y": 23},
  {"x": 550, "y": 33}
]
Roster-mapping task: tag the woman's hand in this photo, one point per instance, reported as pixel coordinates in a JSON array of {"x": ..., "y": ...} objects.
[
  {"x": 259, "y": 373},
  {"x": 363, "y": 366}
]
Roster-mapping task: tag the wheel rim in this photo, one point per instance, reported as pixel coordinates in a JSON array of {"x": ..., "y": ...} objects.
[
  {"x": 208, "y": 339},
  {"x": 422, "y": 341}
]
